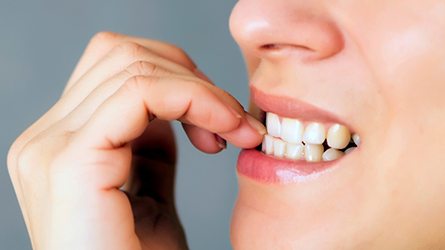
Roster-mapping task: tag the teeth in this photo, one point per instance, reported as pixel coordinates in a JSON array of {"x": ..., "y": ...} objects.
[
  {"x": 279, "y": 147},
  {"x": 356, "y": 139},
  {"x": 349, "y": 150},
  {"x": 273, "y": 124},
  {"x": 313, "y": 152},
  {"x": 268, "y": 144},
  {"x": 292, "y": 130},
  {"x": 294, "y": 151},
  {"x": 314, "y": 133},
  {"x": 291, "y": 139},
  {"x": 338, "y": 136},
  {"x": 332, "y": 154}
]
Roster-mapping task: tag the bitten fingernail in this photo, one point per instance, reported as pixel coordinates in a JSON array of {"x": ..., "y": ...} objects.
[{"x": 255, "y": 124}]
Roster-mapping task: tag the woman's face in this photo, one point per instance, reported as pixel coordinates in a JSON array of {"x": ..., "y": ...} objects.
[{"x": 375, "y": 66}]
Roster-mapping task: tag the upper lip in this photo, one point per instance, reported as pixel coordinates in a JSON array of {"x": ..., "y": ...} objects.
[{"x": 290, "y": 107}]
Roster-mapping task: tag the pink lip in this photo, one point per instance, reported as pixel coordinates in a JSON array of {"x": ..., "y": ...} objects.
[
  {"x": 263, "y": 168},
  {"x": 291, "y": 108}
]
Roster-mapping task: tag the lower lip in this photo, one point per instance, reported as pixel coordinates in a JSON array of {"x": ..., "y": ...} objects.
[{"x": 268, "y": 169}]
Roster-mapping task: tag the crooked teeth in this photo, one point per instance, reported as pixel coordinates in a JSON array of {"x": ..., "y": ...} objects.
[
  {"x": 356, "y": 139},
  {"x": 313, "y": 152},
  {"x": 291, "y": 139},
  {"x": 349, "y": 150},
  {"x": 273, "y": 124},
  {"x": 332, "y": 154},
  {"x": 314, "y": 133},
  {"x": 338, "y": 136}
]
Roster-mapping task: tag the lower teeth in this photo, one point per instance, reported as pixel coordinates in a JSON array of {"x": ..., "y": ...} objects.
[{"x": 300, "y": 151}]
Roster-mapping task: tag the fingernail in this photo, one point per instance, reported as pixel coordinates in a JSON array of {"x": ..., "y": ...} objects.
[
  {"x": 201, "y": 75},
  {"x": 255, "y": 124},
  {"x": 235, "y": 112},
  {"x": 221, "y": 142}
]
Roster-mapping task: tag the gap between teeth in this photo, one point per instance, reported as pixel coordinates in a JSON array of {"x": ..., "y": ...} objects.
[{"x": 291, "y": 139}]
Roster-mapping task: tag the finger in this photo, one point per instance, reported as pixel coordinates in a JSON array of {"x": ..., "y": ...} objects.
[
  {"x": 86, "y": 108},
  {"x": 119, "y": 58},
  {"x": 73, "y": 104},
  {"x": 204, "y": 140},
  {"x": 244, "y": 137},
  {"x": 99, "y": 47},
  {"x": 125, "y": 115},
  {"x": 103, "y": 42},
  {"x": 142, "y": 97}
]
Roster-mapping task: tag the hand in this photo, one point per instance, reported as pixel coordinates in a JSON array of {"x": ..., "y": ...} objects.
[{"x": 109, "y": 132}]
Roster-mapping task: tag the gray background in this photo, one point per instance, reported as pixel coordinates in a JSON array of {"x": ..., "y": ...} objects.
[{"x": 40, "y": 43}]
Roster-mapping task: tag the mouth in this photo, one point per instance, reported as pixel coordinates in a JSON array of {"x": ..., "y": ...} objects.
[{"x": 301, "y": 143}]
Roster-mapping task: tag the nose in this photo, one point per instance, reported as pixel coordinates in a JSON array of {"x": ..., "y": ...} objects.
[{"x": 271, "y": 29}]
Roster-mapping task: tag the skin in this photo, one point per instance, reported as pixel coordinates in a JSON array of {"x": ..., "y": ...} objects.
[
  {"x": 378, "y": 65},
  {"x": 97, "y": 170}
]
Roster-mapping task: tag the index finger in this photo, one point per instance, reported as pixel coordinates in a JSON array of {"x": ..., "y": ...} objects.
[{"x": 125, "y": 115}]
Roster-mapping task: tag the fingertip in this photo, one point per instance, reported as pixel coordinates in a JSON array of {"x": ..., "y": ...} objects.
[
  {"x": 245, "y": 136},
  {"x": 256, "y": 125}
]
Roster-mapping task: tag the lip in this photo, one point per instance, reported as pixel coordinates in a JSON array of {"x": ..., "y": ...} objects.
[
  {"x": 292, "y": 108},
  {"x": 269, "y": 169}
]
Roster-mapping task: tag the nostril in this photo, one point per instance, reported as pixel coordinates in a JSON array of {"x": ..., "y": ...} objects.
[
  {"x": 282, "y": 46},
  {"x": 274, "y": 46},
  {"x": 278, "y": 51},
  {"x": 270, "y": 47}
]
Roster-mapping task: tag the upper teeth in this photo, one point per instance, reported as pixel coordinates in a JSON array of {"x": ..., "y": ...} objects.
[{"x": 286, "y": 136}]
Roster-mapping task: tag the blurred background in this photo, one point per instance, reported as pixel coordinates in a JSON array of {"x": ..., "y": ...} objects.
[{"x": 40, "y": 43}]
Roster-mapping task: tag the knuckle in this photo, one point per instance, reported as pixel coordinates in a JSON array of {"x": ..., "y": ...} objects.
[
  {"x": 130, "y": 50},
  {"x": 12, "y": 157},
  {"x": 26, "y": 159},
  {"x": 138, "y": 84},
  {"x": 142, "y": 68},
  {"x": 15, "y": 150},
  {"x": 182, "y": 56},
  {"x": 104, "y": 38},
  {"x": 178, "y": 51},
  {"x": 36, "y": 156}
]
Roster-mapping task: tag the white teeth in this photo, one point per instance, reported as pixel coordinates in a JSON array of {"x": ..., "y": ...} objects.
[
  {"x": 294, "y": 151},
  {"x": 356, "y": 139},
  {"x": 279, "y": 147},
  {"x": 332, "y": 154},
  {"x": 291, "y": 139},
  {"x": 313, "y": 152},
  {"x": 338, "y": 136},
  {"x": 268, "y": 144},
  {"x": 273, "y": 124},
  {"x": 349, "y": 150},
  {"x": 292, "y": 130},
  {"x": 314, "y": 133}
]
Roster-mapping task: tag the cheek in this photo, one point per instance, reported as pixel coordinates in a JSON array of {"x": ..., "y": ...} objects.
[
  {"x": 407, "y": 57},
  {"x": 408, "y": 61}
]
